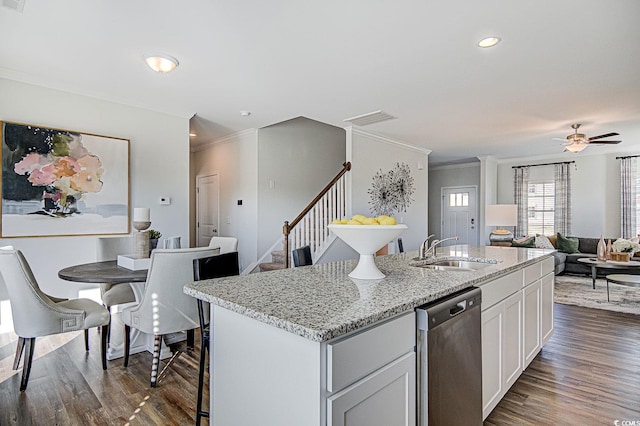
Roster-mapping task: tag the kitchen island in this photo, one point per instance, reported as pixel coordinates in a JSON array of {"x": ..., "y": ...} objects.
[{"x": 303, "y": 346}]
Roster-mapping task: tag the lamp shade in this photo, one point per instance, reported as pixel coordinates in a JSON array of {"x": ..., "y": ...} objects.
[{"x": 501, "y": 215}]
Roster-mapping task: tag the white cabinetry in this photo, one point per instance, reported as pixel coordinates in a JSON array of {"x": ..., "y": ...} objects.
[
  {"x": 371, "y": 376},
  {"x": 517, "y": 319},
  {"x": 268, "y": 376},
  {"x": 531, "y": 323}
]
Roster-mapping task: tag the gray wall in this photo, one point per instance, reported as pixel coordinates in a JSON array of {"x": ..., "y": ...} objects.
[
  {"x": 371, "y": 153},
  {"x": 296, "y": 159},
  {"x": 446, "y": 176},
  {"x": 595, "y": 190}
]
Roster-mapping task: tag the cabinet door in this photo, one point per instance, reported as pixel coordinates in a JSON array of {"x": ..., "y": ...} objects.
[
  {"x": 546, "y": 307},
  {"x": 531, "y": 321},
  {"x": 385, "y": 397},
  {"x": 512, "y": 340},
  {"x": 492, "y": 335}
]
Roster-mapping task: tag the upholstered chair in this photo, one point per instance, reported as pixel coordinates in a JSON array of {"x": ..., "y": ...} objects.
[
  {"x": 164, "y": 308},
  {"x": 109, "y": 249},
  {"x": 37, "y": 314},
  {"x": 226, "y": 244},
  {"x": 206, "y": 268}
]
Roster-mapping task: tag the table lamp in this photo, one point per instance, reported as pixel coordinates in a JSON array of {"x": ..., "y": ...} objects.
[
  {"x": 501, "y": 215},
  {"x": 141, "y": 222}
]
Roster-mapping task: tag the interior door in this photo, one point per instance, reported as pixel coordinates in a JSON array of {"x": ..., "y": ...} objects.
[
  {"x": 207, "y": 200},
  {"x": 459, "y": 214}
]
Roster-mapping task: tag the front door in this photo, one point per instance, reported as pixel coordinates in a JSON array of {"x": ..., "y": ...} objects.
[
  {"x": 207, "y": 190},
  {"x": 459, "y": 214}
]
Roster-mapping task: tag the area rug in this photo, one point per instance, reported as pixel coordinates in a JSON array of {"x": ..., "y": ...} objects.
[{"x": 576, "y": 290}]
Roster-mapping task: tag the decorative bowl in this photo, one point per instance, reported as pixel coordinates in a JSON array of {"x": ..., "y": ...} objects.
[
  {"x": 366, "y": 240},
  {"x": 620, "y": 256}
]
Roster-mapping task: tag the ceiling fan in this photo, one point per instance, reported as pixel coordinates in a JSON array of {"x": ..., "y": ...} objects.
[{"x": 576, "y": 142}]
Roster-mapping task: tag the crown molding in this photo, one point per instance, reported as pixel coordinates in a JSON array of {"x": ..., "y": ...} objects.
[
  {"x": 454, "y": 166},
  {"x": 225, "y": 139},
  {"x": 387, "y": 140}
]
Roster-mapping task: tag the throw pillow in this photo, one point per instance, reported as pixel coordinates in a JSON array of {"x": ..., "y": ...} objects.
[
  {"x": 527, "y": 242},
  {"x": 553, "y": 239},
  {"x": 543, "y": 242},
  {"x": 567, "y": 244}
]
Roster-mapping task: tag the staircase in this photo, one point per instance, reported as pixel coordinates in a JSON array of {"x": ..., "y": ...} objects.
[
  {"x": 277, "y": 262},
  {"x": 309, "y": 228}
]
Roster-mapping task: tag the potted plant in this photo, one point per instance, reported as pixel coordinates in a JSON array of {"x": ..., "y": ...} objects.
[{"x": 154, "y": 236}]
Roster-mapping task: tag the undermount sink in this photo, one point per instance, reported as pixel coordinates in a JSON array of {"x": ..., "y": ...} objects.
[{"x": 453, "y": 265}]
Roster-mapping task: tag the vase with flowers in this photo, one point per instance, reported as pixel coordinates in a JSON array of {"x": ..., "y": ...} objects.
[{"x": 623, "y": 250}]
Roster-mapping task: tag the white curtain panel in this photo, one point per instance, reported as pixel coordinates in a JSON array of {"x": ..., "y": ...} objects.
[
  {"x": 520, "y": 196},
  {"x": 562, "y": 215},
  {"x": 628, "y": 175}
]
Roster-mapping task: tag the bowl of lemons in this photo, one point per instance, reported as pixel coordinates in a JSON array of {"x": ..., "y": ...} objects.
[{"x": 366, "y": 235}]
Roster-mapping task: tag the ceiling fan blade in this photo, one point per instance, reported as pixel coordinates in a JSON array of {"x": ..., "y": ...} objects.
[
  {"x": 604, "y": 142},
  {"x": 559, "y": 139},
  {"x": 606, "y": 135}
]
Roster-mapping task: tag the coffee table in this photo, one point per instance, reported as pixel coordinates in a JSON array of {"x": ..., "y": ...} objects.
[
  {"x": 606, "y": 264},
  {"x": 622, "y": 279}
]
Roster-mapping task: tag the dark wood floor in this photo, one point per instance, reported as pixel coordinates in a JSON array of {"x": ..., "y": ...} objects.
[{"x": 589, "y": 373}]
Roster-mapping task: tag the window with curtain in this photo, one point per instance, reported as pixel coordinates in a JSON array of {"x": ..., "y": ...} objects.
[{"x": 541, "y": 207}]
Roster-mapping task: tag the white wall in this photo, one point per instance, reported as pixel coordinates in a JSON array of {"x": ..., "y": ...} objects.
[
  {"x": 159, "y": 162},
  {"x": 369, "y": 154},
  {"x": 595, "y": 190},
  {"x": 235, "y": 160},
  {"x": 446, "y": 176},
  {"x": 296, "y": 159}
]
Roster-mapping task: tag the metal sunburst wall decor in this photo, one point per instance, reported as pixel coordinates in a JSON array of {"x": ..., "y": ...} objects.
[{"x": 391, "y": 191}]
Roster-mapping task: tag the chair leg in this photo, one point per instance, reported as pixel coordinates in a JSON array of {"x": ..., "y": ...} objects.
[
  {"x": 191, "y": 338},
  {"x": 19, "y": 350},
  {"x": 86, "y": 340},
  {"x": 156, "y": 359},
  {"x": 127, "y": 344},
  {"x": 104, "y": 338},
  {"x": 204, "y": 347},
  {"x": 28, "y": 359},
  {"x": 109, "y": 335}
]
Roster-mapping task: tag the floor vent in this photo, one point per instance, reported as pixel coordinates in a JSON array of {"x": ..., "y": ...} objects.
[{"x": 369, "y": 118}]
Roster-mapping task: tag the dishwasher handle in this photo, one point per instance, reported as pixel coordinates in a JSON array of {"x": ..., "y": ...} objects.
[
  {"x": 458, "y": 308},
  {"x": 442, "y": 310}
]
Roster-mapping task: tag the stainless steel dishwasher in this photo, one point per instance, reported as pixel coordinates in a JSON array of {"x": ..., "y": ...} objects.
[{"x": 450, "y": 360}]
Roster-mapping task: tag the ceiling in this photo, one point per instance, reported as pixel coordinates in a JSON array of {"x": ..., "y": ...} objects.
[{"x": 559, "y": 62}]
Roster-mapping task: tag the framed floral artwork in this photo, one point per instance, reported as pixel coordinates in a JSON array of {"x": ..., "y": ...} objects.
[{"x": 61, "y": 182}]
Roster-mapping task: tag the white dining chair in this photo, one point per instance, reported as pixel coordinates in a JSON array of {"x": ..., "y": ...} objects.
[
  {"x": 164, "y": 308},
  {"x": 108, "y": 248},
  {"x": 226, "y": 244},
  {"x": 36, "y": 314}
]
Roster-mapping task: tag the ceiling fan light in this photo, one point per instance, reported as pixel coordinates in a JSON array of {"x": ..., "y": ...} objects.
[
  {"x": 161, "y": 63},
  {"x": 575, "y": 147}
]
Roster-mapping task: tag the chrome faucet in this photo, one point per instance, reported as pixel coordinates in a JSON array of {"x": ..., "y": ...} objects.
[
  {"x": 422, "y": 253},
  {"x": 425, "y": 253}
]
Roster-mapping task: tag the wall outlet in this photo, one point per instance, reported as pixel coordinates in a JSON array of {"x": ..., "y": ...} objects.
[{"x": 165, "y": 201}]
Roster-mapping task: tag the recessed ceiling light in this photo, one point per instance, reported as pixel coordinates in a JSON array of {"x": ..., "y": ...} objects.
[
  {"x": 161, "y": 63},
  {"x": 192, "y": 135},
  {"x": 489, "y": 41},
  {"x": 245, "y": 113}
]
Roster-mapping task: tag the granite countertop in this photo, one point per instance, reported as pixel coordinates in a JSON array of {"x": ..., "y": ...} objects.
[{"x": 321, "y": 302}]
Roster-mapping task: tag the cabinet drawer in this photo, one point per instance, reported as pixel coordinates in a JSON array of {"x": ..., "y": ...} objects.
[
  {"x": 548, "y": 266},
  {"x": 531, "y": 273},
  {"x": 500, "y": 288},
  {"x": 353, "y": 357}
]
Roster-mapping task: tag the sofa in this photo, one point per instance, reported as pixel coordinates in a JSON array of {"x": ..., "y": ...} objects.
[{"x": 587, "y": 247}]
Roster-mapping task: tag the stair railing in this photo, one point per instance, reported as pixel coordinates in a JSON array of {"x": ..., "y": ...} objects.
[{"x": 329, "y": 204}]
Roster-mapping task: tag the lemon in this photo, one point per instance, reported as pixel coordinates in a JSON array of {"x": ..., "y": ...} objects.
[
  {"x": 360, "y": 218},
  {"x": 370, "y": 221},
  {"x": 353, "y": 222},
  {"x": 388, "y": 221}
]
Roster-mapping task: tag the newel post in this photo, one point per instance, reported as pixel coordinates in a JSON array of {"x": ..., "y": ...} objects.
[{"x": 285, "y": 242}]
